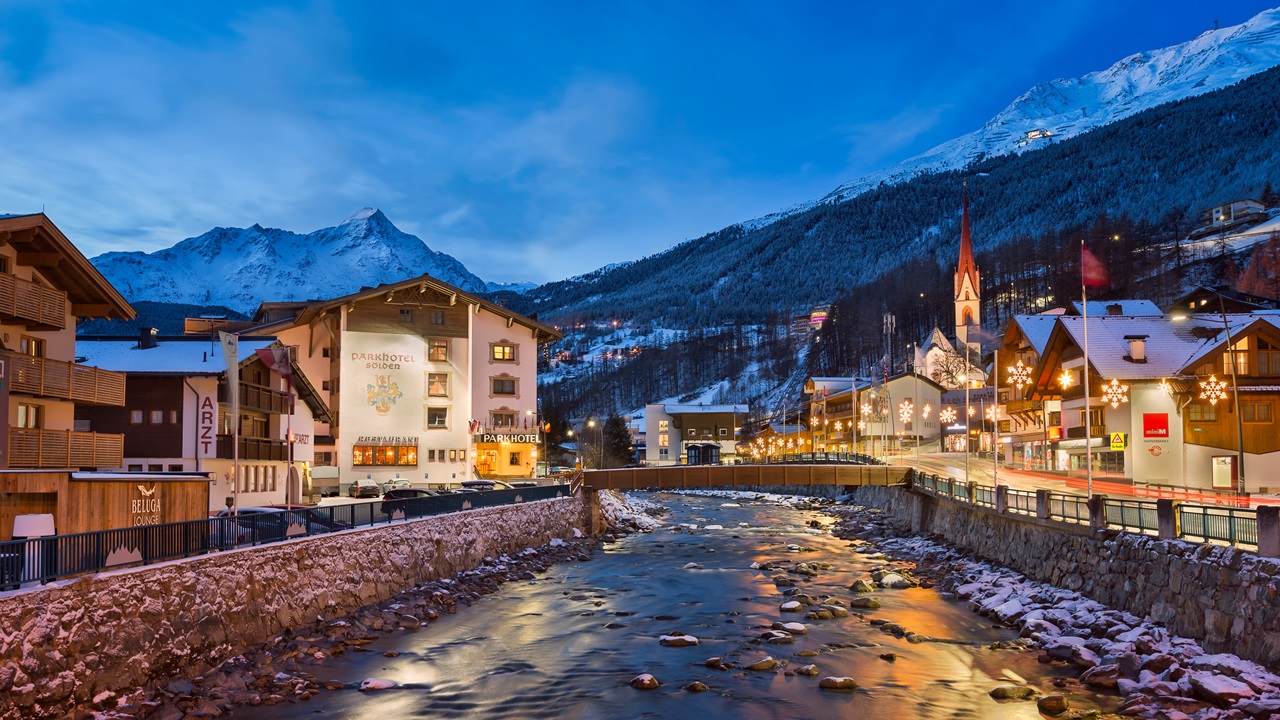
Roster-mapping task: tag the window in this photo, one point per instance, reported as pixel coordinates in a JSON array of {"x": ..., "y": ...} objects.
[
  {"x": 135, "y": 468},
  {"x": 155, "y": 468},
  {"x": 438, "y": 384},
  {"x": 135, "y": 417},
  {"x": 1095, "y": 417},
  {"x": 504, "y": 352},
  {"x": 504, "y": 386},
  {"x": 437, "y": 417},
  {"x": 693, "y": 433},
  {"x": 324, "y": 385},
  {"x": 1241, "y": 353},
  {"x": 406, "y": 315},
  {"x": 664, "y": 440},
  {"x": 1202, "y": 412},
  {"x": 175, "y": 417},
  {"x": 724, "y": 432},
  {"x": 431, "y": 455},
  {"x": 663, "y": 425},
  {"x": 662, "y": 452},
  {"x": 438, "y": 350},
  {"x": 504, "y": 419},
  {"x": 157, "y": 417},
  {"x": 31, "y": 346},
  {"x": 175, "y": 468},
  {"x": 30, "y": 416},
  {"x": 4, "y": 264},
  {"x": 384, "y": 455},
  {"x": 324, "y": 352},
  {"x": 1055, "y": 417},
  {"x": 453, "y": 455},
  {"x": 1255, "y": 412},
  {"x": 437, "y": 317},
  {"x": 1268, "y": 358},
  {"x": 514, "y": 459}
]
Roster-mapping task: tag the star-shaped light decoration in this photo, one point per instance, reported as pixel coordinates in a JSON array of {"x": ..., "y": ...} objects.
[
  {"x": 948, "y": 415},
  {"x": 1165, "y": 387},
  {"x": 972, "y": 411},
  {"x": 905, "y": 409},
  {"x": 866, "y": 408},
  {"x": 1019, "y": 375},
  {"x": 924, "y": 411},
  {"x": 862, "y": 425},
  {"x": 1214, "y": 390},
  {"x": 993, "y": 413},
  {"x": 1065, "y": 379},
  {"x": 1115, "y": 393},
  {"x": 839, "y": 426}
]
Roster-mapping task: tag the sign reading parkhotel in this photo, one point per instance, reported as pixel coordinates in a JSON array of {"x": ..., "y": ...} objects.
[{"x": 507, "y": 438}]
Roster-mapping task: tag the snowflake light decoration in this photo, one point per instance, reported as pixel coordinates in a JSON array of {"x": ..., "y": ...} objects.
[
  {"x": 1019, "y": 375},
  {"x": 862, "y": 425},
  {"x": 866, "y": 408},
  {"x": 1165, "y": 387},
  {"x": 993, "y": 413},
  {"x": 1115, "y": 393},
  {"x": 924, "y": 411},
  {"x": 839, "y": 426},
  {"x": 948, "y": 415},
  {"x": 905, "y": 409},
  {"x": 1065, "y": 379},
  {"x": 1214, "y": 390},
  {"x": 972, "y": 411}
]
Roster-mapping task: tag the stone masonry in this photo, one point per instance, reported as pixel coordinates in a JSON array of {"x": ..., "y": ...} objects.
[
  {"x": 1224, "y": 598},
  {"x": 65, "y": 643}
]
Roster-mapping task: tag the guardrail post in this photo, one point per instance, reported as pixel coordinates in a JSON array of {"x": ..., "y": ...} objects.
[
  {"x": 1002, "y": 498},
  {"x": 1098, "y": 511},
  {"x": 1042, "y": 504},
  {"x": 911, "y": 478},
  {"x": 1167, "y": 519},
  {"x": 1268, "y": 530},
  {"x": 973, "y": 492}
]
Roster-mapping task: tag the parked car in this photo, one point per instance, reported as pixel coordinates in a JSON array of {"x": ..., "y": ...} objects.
[
  {"x": 405, "y": 494},
  {"x": 478, "y": 485},
  {"x": 267, "y": 524},
  {"x": 394, "y": 483},
  {"x": 364, "y": 487},
  {"x": 523, "y": 483}
]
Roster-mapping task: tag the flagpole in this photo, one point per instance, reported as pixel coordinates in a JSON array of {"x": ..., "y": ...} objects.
[{"x": 1084, "y": 374}]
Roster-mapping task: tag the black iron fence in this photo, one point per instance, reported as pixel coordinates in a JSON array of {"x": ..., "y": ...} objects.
[
  {"x": 818, "y": 458},
  {"x": 59, "y": 556}
]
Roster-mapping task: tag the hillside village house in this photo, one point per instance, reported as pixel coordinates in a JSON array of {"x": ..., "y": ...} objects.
[
  {"x": 47, "y": 460},
  {"x": 1162, "y": 400},
  {"x": 176, "y": 415},
  {"x": 423, "y": 381},
  {"x": 692, "y": 434}
]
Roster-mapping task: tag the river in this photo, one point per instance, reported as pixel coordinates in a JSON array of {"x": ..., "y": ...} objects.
[{"x": 566, "y": 645}]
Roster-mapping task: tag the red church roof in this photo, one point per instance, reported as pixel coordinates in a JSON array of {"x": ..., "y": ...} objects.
[{"x": 967, "y": 266}]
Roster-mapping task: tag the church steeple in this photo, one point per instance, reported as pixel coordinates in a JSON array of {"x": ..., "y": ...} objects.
[{"x": 968, "y": 296}]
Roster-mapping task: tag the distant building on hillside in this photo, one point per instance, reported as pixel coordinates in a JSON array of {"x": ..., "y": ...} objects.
[
  {"x": 1234, "y": 212},
  {"x": 692, "y": 434}
]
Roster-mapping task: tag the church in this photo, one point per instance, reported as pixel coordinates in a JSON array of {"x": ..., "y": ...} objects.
[{"x": 945, "y": 360}]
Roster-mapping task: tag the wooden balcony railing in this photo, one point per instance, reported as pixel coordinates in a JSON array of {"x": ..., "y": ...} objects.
[
  {"x": 1018, "y": 406},
  {"x": 259, "y": 398},
  {"x": 68, "y": 381},
  {"x": 35, "y": 306},
  {"x": 31, "y": 448},
  {"x": 1077, "y": 432},
  {"x": 254, "y": 448}
]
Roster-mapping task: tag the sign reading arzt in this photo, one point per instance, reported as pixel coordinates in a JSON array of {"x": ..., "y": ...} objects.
[{"x": 512, "y": 438}]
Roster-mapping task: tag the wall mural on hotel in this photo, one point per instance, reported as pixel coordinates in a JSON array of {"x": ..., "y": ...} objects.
[{"x": 383, "y": 393}]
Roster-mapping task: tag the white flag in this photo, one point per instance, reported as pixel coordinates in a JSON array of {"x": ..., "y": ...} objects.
[{"x": 231, "y": 353}]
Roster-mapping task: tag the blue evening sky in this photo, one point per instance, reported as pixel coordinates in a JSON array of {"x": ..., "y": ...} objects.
[{"x": 531, "y": 140}]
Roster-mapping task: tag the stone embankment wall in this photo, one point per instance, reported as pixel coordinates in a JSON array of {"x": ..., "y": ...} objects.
[
  {"x": 1224, "y": 598},
  {"x": 64, "y": 644}
]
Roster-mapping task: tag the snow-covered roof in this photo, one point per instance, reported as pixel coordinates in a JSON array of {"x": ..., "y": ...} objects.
[
  {"x": 1036, "y": 328},
  {"x": 690, "y": 409},
  {"x": 1098, "y": 308},
  {"x": 1169, "y": 345},
  {"x": 1238, "y": 324},
  {"x": 171, "y": 356}
]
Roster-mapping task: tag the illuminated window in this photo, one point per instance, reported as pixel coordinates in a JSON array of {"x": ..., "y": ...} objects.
[
  {"x": 383, "y": 455},
  {"x": 31, "y": 346},
  {"x": 664, "y": 440},
  {"x": 157, "y": 417},
  {"x": 438, "y": 384},
  {"x": 30, "y": 416},
  {"x": 663, "y": 425},
  {"x": 1241, "y": 354},
  {"x": 135, "y": 417},
  {"x": 514, "y": 459},
  {"x": 504, "y": 352},
  {"x": 438, "y": 350}
]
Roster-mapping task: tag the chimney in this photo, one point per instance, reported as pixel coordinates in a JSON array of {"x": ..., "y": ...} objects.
[
  {"x": 1115, "y": 309},
  {"x": 146, "y": 338},
  {"x": 1137, "y": 348}
]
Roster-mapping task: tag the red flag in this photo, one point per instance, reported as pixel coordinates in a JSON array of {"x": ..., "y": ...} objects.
[
  {"x": 1092, "y": 272},
  {"x": 277, "y": 360}
]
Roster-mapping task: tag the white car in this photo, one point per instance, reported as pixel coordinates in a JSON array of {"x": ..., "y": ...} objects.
[{"x": 394, "y": 483}]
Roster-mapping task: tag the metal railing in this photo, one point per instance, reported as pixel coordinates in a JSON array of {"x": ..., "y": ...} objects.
[
  {"x": 984, "y": 495},
  {"x": 59, "y": 556},
  {"x": 1133, "y": 515},
  {"x": 1217, "y": 523},
  {"x": 1176, "y": 492},
  {"x": 1072, "y": 508},
  {"x": 960, "y": 491},
  {"x": 819, "y": 458},
  {"x": 1020, "y": 501}
]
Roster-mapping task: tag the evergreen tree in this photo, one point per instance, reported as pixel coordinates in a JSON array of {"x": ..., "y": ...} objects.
[
  {"x": 1269, "y": 196},
  {"x": 617, "y": 442}
]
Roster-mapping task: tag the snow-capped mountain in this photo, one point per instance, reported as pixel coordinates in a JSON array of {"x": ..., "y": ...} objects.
[
  {"x": 1060, "y": 109},
  {"x": 241, "y": 267}
]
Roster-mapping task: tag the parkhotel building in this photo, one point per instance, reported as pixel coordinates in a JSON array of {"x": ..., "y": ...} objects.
[{"x": 423, "y": 381}]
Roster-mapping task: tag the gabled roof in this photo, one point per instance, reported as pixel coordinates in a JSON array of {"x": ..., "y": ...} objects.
[
  {"x": 704, "y": 409},
  {"x": 1098, "y": 308},
  {"x": 63, "y": 265},
  {"x": 1206, "y": 299},
  {"x": 936, "y": 339},
  {"x": 828, "y": 385},
  {"x": 1241, "y": 325},
  {"x": 966, "y": 267},
  {"x": 306, "y": 312},
  {"x": 1036, "y": 329}
]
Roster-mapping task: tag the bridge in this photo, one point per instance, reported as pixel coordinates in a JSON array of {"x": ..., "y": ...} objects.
[{"x": 743, "y": 477}]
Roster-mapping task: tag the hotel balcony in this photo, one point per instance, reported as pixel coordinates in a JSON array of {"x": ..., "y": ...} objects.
[
  {"x": 31, "y": 448},
  {"x": 258, "y": 398},
  {"x": 35, "y": 307},
  {"x": 1013, "y": 407},
  {"x": 67, "y": 381},
  {"x": 1077, "y": 432},
  {"x": 254, "y": 448}
]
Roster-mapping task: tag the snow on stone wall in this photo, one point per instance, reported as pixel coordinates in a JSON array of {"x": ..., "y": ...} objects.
[
  {"x": 66, "y": 643},
  {"x": 1222, "y": 597}
]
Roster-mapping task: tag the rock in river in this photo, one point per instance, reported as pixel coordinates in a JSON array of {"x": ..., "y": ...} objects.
[
  {"x": 1012, "y": 692},
  {"x": 1053, "y": 704},
  {"x": 644, "y": 682},
  {"x": 838, "y": 684},
  {"x": 376, "y": 684},
  {"x": 678, "y": 640},
  {"x": 768, "y": 663}
]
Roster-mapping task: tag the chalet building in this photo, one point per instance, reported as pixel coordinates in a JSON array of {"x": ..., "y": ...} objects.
[
  {"x": 778, "y": 440},
  {"x": 1221, "y": 298},
  {"x": 423, "y": 381},
  {"x": 177, "y": 415},
  {"x": 692, "y": 434},
  {"x": 1027, "y": 427},
  {"x": 46, "y": 286},
  {"x": 860, "y": 415},
  {"x": 1233, "y": 213},
  {"x": 1162, "y": 399},
  {"x": 831, "y": 413}
]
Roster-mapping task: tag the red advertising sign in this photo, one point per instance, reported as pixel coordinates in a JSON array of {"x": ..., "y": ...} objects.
[
  {"x": 1155, "y": 425},
  {"x": 1055, "y": 433}
]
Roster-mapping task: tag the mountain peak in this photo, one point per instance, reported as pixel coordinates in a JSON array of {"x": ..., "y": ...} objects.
[{"x": 364, "y": 215}]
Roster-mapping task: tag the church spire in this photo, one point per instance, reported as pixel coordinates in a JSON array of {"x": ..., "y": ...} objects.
[{"x": 968, "y": 296}]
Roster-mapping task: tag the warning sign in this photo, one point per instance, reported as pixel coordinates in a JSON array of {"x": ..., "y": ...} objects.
[{"x": 1117, "y": 441}]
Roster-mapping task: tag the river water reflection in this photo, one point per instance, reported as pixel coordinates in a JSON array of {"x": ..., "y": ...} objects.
[{"x": 566, "y": 645}]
